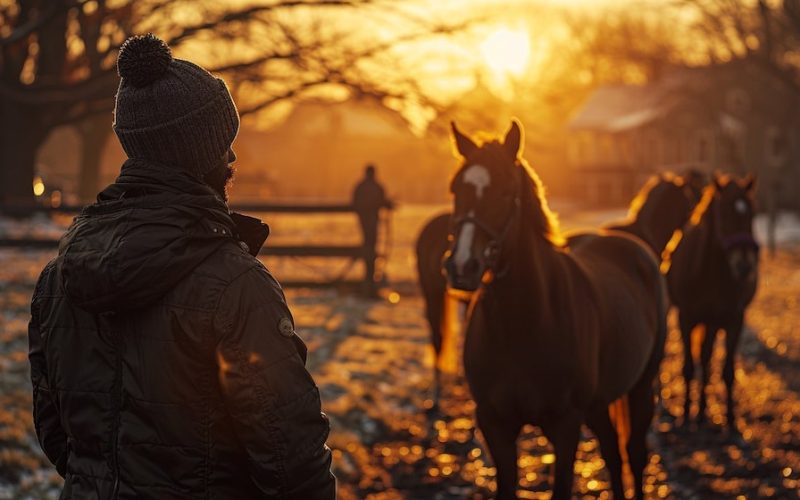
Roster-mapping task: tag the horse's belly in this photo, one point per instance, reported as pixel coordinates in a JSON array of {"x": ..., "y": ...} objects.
[
  {"x": 625, "y": 354},
  {"x": 521, "y": 392}
]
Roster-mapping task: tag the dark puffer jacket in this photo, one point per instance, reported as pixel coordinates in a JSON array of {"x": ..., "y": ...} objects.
[{"x": 163, "y": 355}]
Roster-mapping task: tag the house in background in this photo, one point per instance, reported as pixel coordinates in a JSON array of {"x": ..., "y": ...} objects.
[
  {"x": 320, "y": 151},
  {"x": 732, "y": 118}
]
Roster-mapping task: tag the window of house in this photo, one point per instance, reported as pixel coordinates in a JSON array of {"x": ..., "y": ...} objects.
[
  {"x": 737, "y": 101},
  {"x": 575, "y": 152},
  {"x": 704, "y": 146},
  {"x": 775, "y": 146},
  {"x": 653, "y": 152}
]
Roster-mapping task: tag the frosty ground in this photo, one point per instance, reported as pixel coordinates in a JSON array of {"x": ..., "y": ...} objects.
[{"x": 372, "y": 361}]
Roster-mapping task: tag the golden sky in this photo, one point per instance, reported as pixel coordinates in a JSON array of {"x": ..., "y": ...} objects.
[{"x": 506, "y": 46}]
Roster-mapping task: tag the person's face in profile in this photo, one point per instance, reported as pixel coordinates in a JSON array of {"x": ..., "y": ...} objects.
[{"x": 221, "y": 177}]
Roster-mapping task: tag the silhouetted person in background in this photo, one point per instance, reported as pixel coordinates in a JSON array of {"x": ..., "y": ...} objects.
[
  {"x": 163, "y": 355},
  {"x": 369, "y": 198}
]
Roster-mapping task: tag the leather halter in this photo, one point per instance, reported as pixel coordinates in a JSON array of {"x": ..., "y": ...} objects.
[
  {"x": 497, "y": 238},
  {"x": 741, "y": 239}
]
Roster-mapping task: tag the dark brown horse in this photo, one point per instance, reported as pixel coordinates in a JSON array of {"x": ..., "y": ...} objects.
[
  {"x": 555, "y": 335},
  {"x": 432, "y": 244},
  {"x": 712, "y": 279},
  {"x": 662, "y": 206}
]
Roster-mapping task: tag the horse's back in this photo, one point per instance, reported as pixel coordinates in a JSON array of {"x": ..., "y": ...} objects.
[
  {"x": 630, "y": 292},
  {"x": 614, "y": 249}
]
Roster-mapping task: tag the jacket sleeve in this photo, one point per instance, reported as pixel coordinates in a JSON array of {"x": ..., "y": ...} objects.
[
  {"x": 269, "y": 393},
  {"x": 46, "y": 418}
]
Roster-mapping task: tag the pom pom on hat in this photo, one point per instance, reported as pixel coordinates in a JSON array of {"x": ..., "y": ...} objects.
[{"x": 143, "y": 59}]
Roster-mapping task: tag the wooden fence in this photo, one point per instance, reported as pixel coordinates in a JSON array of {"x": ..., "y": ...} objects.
[{"x": 325, "y": 251}]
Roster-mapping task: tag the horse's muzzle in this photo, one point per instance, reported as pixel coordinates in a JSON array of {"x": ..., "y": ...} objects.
[{"x": 467, "y": 279}]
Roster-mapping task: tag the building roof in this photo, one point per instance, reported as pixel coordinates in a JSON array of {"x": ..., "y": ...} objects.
[
  {"x": 356, "y": 118},
  {"x": 614, "y": 108}
]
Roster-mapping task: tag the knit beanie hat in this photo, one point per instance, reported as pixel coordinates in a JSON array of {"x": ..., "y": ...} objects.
[{"x": 171, "y": 111}]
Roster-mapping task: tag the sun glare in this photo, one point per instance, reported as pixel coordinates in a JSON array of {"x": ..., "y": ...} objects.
[{"x": 506, "y": 51}]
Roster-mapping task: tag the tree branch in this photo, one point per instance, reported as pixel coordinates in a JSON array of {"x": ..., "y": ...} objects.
[
  {"x": 250, "y": 12},
  {"x": 32, "y": 25}
]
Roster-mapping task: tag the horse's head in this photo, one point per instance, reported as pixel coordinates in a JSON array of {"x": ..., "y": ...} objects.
[
  {"x": 733, "y": 210},
  {"x": 670, "y": 203},
  {"x": 695, "y": 181},
  {"x": 487, "y": 196}
]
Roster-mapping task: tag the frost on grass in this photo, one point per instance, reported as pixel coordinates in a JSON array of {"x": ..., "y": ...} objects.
[{"x": 372, "y": 362}]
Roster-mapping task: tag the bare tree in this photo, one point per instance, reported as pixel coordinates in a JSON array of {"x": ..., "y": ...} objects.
[
  {"x": 57, "y": 63},
  {"x": 765, "y": 33}
]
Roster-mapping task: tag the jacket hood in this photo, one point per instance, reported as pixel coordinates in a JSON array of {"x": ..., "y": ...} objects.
[{"x": 147, "y": 231}]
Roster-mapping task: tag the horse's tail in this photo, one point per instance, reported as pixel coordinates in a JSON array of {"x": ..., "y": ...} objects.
[
  {"x": 619, "y": 412},
  {"x": 451, "y": 326}
]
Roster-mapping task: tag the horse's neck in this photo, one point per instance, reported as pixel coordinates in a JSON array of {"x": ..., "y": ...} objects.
[
  {"x": 711, "y": 242},
  {"x": 658, "y": 236},
  {"x": 653, "y": 232},
  {"x": 705, "y": 247},
  {"x": 642, "y": 229},
  {"x": 528, "y": 280}
]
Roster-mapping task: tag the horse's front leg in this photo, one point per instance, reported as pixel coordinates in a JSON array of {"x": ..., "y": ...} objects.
[
  {"x": 733, "y": 332},
  {"x": 687, "y": 324},
  {"x": 501, "y": 438},
  {"x": 564, "y": 433},
  {"x": 706, "y": 350}
]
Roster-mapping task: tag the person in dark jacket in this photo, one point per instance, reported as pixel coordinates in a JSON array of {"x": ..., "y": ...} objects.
[
  {"x": 163, "y": 356},
  {"x": 369, "y": 198}
]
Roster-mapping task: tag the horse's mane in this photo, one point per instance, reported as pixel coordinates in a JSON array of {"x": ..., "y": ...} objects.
[
  {"x": 702, "y": 206},
  {"x": 533, "y": 199},
  {"x": 654, "y": 183},
  {"x": 534, "y": 204}
]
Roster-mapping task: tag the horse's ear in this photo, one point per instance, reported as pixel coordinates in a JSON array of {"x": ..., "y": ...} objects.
[
  {"x": 464, "y": 144},
  {"x": 717, "y": 180},
  {"x": 513, "y": 139},
  {"x": 690, "y": 192},
  {"x": 749, "y": 182}
]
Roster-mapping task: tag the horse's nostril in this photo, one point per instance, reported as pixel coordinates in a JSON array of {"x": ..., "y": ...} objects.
[
  {"x": 449, "y": 266},
  {"x": 471, "y": 266}
]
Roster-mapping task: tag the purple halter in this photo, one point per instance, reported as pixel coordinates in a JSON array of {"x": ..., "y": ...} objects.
[
  {"x": 739, "y": 240},
  {"x": 742, "y": 239}
]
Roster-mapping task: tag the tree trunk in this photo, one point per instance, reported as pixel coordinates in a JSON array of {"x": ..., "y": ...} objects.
[
  {"x": 21, "y": 135},
  {"x": 94, "y": 132}
]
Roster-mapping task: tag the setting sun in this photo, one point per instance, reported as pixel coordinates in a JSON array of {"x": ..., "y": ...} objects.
[{"x": 506, "y": 51}]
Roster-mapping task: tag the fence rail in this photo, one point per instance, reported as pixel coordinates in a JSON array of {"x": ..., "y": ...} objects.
[
  {"x": 276, "y": 208},
  {"x": 324, "y": 251}
]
